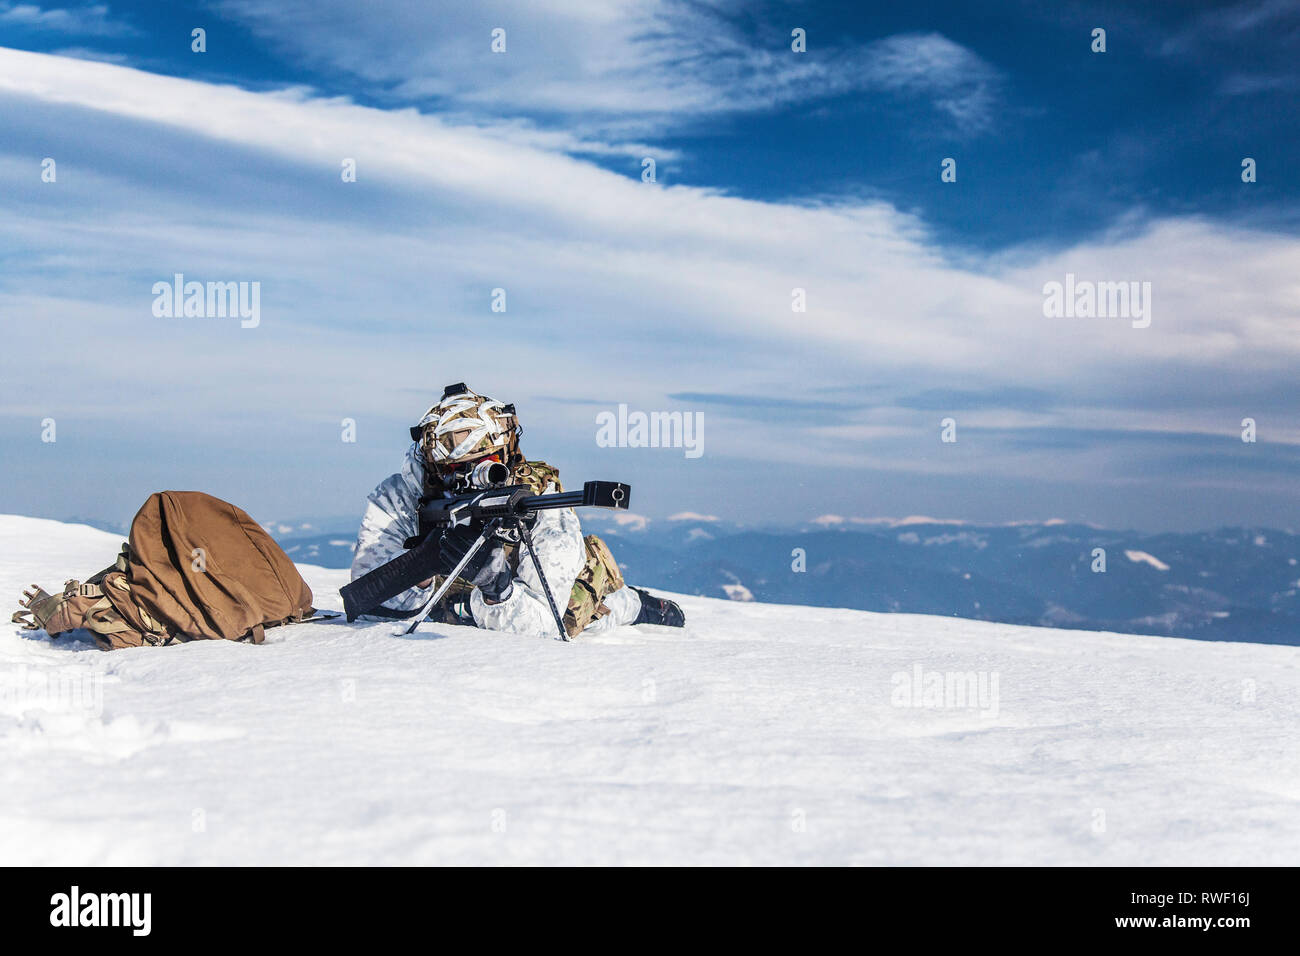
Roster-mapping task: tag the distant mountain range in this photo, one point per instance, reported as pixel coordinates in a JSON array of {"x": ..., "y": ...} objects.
[{"x": 1233, "y": 584}]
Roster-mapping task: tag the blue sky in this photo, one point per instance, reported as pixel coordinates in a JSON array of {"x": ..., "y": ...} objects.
[{"x": 775, "y": 170}]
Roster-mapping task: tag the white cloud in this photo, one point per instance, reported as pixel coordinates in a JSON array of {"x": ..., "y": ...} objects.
[
  {"x": 829, "y": 520},
  {"x": 84, "y": 53},
  {"x": 633, "y": 291},
  {"x": 616, "y": 67},
  {"x": 632, "y": 522},
  {"x": 837, "y": 521},
  {"x": 91, "y": 20}
]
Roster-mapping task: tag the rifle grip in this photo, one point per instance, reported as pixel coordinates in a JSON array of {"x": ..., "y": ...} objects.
[{"x": 389, "y": 580}]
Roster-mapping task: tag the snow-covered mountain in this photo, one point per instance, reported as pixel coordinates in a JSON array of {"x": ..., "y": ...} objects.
[
  {"x": 1233, "y": 584},
  {"x": 757, "y": 734}
]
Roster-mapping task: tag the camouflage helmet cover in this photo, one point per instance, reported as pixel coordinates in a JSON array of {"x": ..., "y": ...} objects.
[{"x": 465, "y": 426}]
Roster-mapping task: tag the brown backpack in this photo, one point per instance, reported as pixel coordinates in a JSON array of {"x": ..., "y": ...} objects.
[{"x": 195, "y": 568}]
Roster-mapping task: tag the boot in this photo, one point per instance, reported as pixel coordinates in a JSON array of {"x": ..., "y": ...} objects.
[{"x": 656, "y": 610}]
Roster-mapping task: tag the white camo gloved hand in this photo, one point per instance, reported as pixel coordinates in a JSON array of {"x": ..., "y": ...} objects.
[{"x": 488, "y": 570}]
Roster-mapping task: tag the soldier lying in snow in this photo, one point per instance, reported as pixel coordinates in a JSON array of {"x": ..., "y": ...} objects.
[{"x": 463, "y": 430}]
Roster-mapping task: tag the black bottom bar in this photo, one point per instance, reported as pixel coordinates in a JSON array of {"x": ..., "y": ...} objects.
[{"x": 921, "y": 908}]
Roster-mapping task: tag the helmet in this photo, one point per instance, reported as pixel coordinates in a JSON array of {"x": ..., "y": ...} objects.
[{"x": 465, "y": 426}]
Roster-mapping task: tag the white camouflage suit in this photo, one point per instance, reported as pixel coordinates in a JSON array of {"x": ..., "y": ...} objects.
[{"x": 392, "y": 516}]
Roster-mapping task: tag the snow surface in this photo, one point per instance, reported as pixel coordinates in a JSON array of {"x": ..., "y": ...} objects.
[
  {"x": 758, "y": 734},
  {"x": 1141, "y": 557}
]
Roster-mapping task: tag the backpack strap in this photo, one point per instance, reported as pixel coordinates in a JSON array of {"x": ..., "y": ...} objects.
[
  {"x": 115, "y": 587},
  {"x": 257, "y": 633}
]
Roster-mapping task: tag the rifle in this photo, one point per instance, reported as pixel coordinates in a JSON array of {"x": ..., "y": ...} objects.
[{"x": 506, "y": 513}]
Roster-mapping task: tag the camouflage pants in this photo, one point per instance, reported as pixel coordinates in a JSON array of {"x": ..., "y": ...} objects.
[{"x": 598, "y": 578}]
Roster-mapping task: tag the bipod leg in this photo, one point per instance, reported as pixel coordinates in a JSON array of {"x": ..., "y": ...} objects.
[
  {"x": 452, "y": 575},
  {"x": 527, "y": 537}
]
